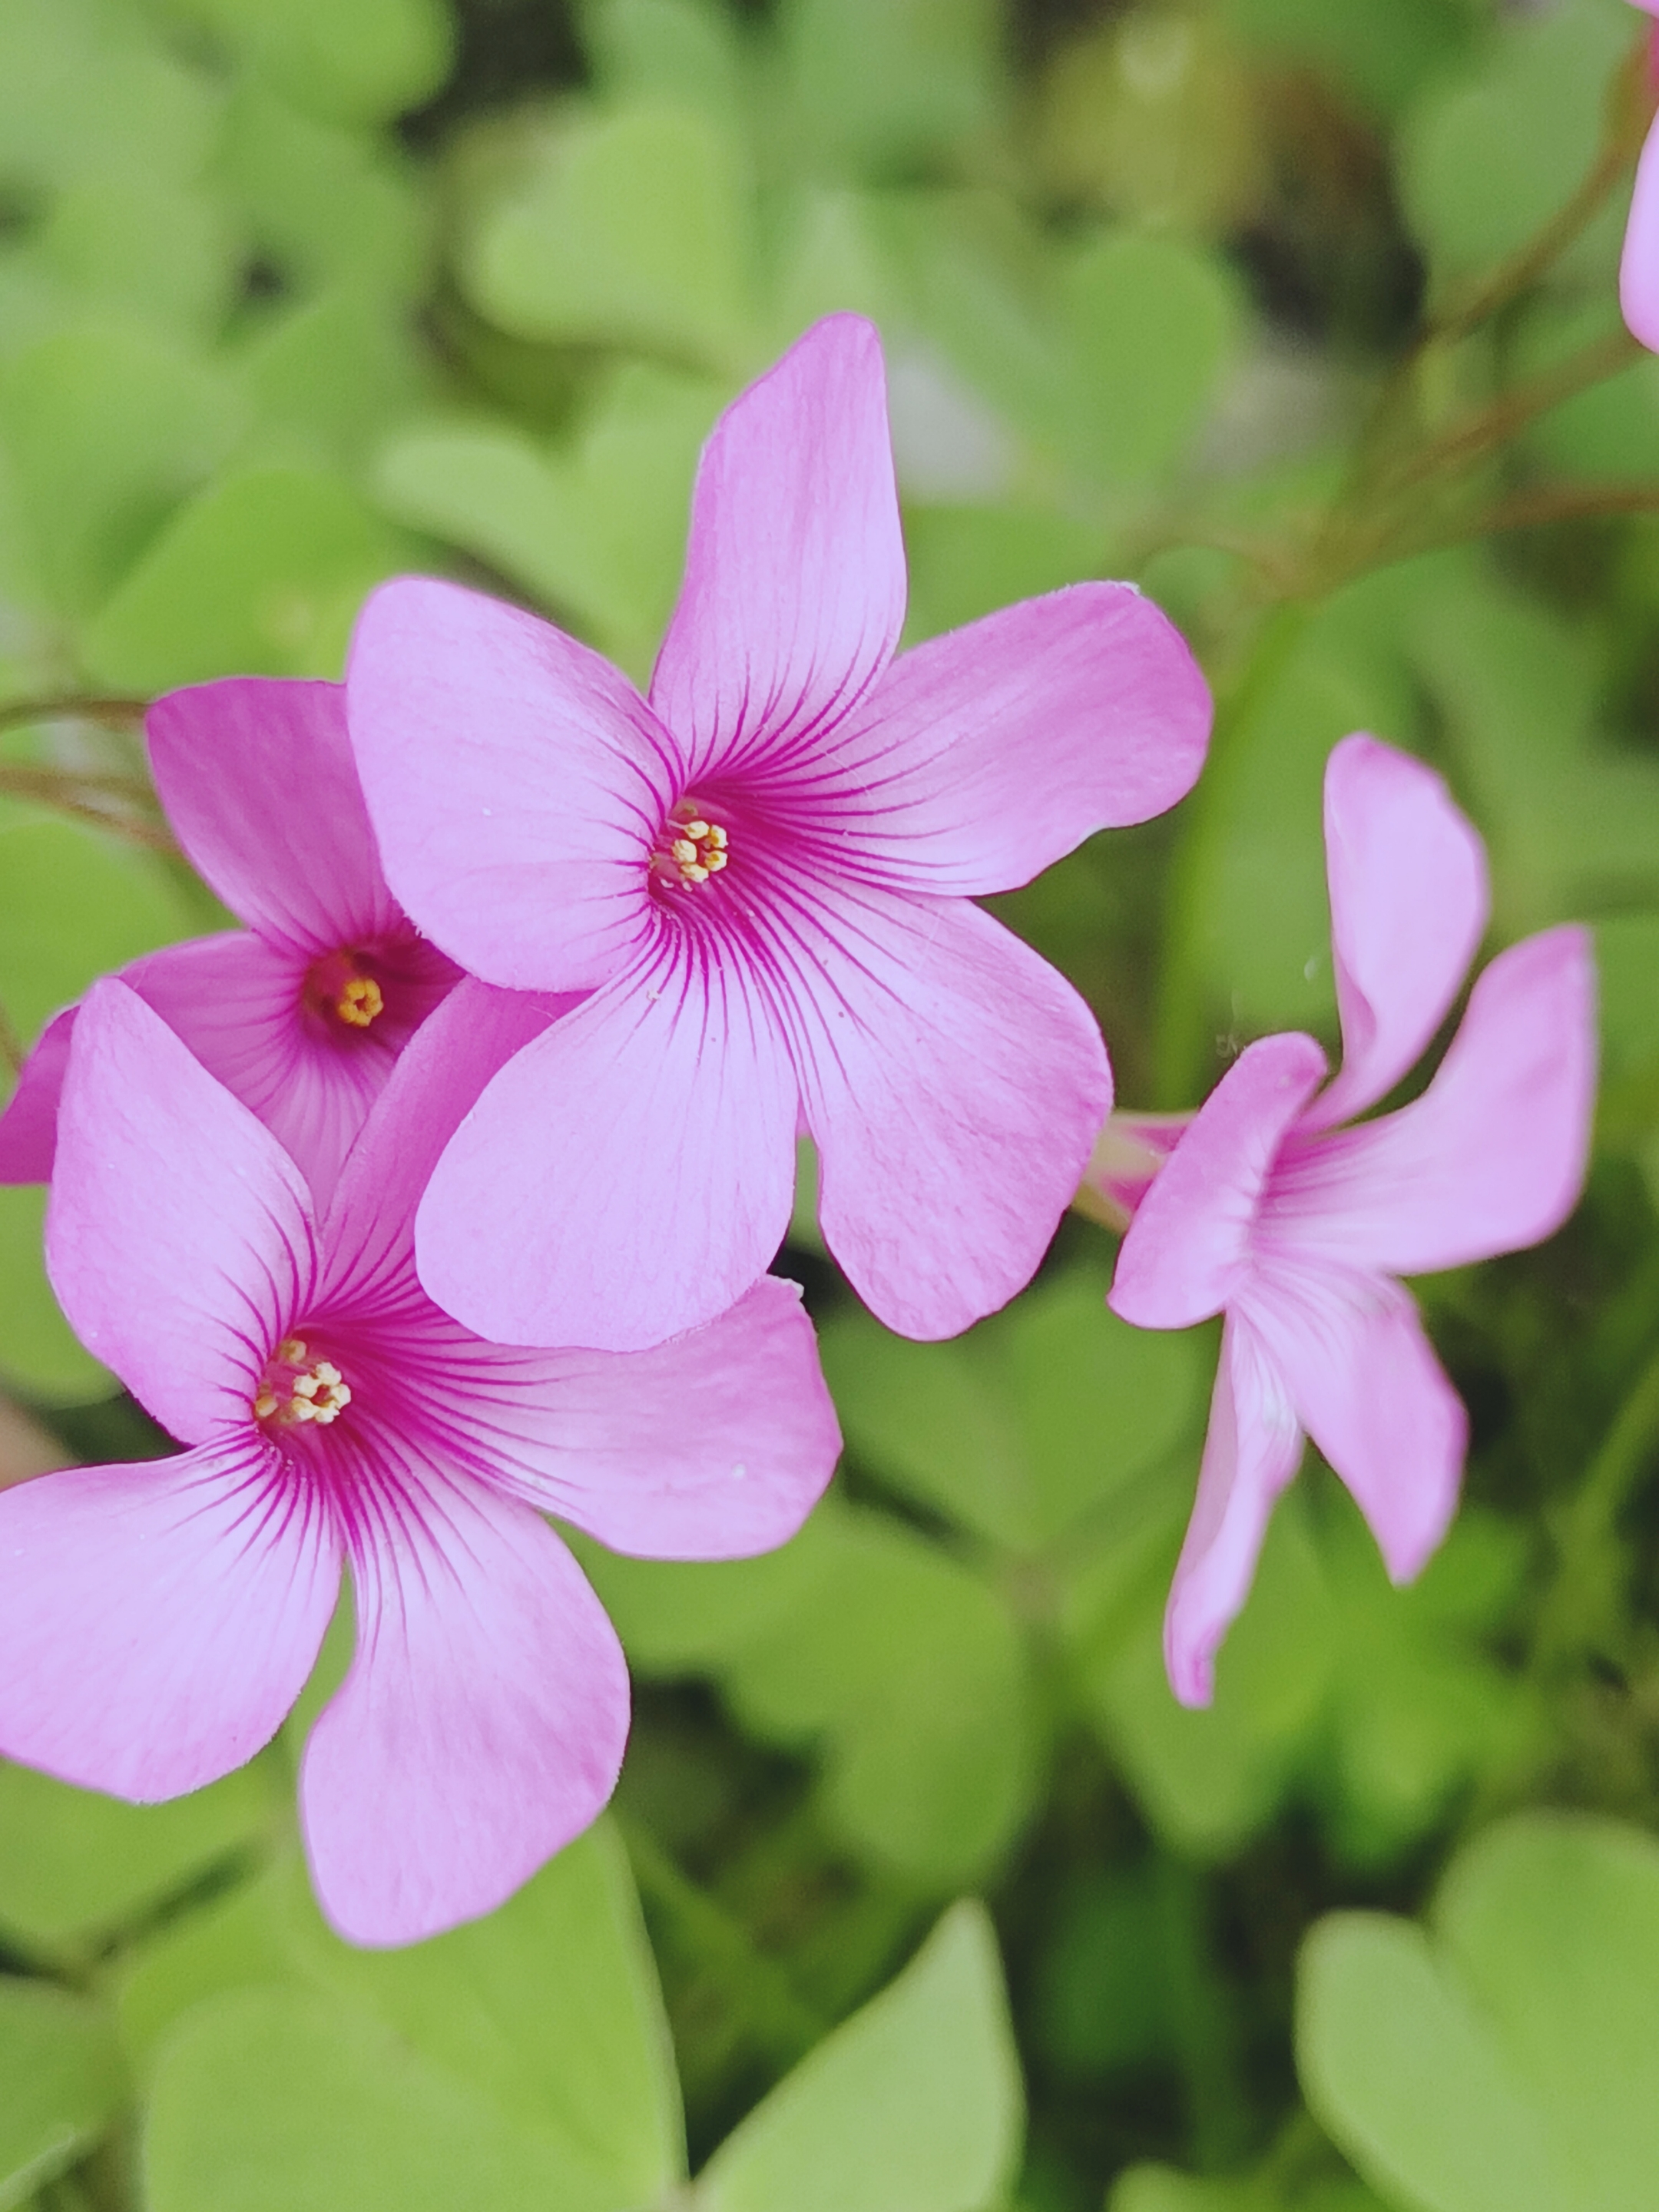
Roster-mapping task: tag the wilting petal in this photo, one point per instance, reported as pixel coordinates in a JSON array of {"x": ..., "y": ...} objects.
[
  {"x": 981, "y": 758},
  {"x": 1490, "y": 1159},
  {"x": 1187, "y": 1247},
  {"x": 369, "y": 1231},
  {"x": 954, "y": 1083},
  {"x": 794, "y": 587},
  {"x": 1370, "y": 1392},
  {"x": 1252, "y": 1450},
  {"x": 1638, "y": 268},
  {"x": 716, "y": 1445},
  {"x": 256, "y": 777},
  {"x": 515, "y": 781},
  {"x": 157, "y": 1621},
  {"x": 630, "y": 1174},
  {"x": 1407, "y": 878},
  {"x": 481, "y": 1726},
  {"x": 178, "y": 1236},
  {"x": 28, "y": 1127}
]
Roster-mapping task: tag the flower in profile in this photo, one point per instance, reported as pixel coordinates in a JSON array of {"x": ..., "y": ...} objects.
[
  {"x": 158, "y": 1620},
  {"x": 1639, "y": 266},
  {"x": 764, "y": 875},
  {"x": 1278, "y": 1209},
  {"x": 303, "y": 1013}
]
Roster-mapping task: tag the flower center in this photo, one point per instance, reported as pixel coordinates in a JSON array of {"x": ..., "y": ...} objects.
[
  {"x": 295, "y": 1387},
  {"x": 340, "y": 988},
  {"x": 689, "y": 847}
]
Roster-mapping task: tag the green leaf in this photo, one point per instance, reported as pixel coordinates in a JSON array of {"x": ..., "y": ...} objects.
[
  {"x": 1487, "y": 160},
  {"x": 262, "y": 576},
  {"x": 1509, "y": 2061},
  {"x": 632, "y": 233},
  {"x": 904, "y": 1667},
  {"x": 40, "y": 1355},
  {"x": 887, "y": 85},
  {"x": 327, "y": 376},
  {"x": 62, "y": 2082},
  {"x": 1026, "y": 1423},
  {"x": 85, "y": 88},
  {"x": 141, "y": 249},
  {"x": 594, "y": 528},
  {"x": 362, "y": 64},
  {"x": 912, "y": 2105},
  {"x": 685, "y": 52},
  {"x": 1383, "y": 50},
  {"x": 1572, "y": 824},
  {"x": 1151, "y": 323},
  {"x": 966, "y": 561},
  {"x": 76, "y": 1866},
  {"x": 106, "y": 431},
  {"x": 527, "y": 2049}
]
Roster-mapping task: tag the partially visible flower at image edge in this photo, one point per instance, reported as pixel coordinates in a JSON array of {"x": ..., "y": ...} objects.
[
  {"x": 1294, "y": 1226},
  {"x": 1639, "y": 267},
  {"x": 764, "y": 874},
  {"x": 302, "y": 1013},
  {"x": 157, "y": 1620}
]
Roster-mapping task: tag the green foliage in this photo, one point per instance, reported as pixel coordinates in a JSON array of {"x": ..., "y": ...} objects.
[
  {"x": 1145, "y": 281},
  {"x": 1507, "y": 2059}
]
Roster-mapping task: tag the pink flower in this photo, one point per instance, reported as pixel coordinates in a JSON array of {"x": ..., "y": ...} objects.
[
  {"x": 158, "y": 1620},
  {"x": 1638, "y": 268},
  {"x": 302, "y": 1014},
  {"x": 1295, "y": 1228},
  {"x": 764, "y": 875}
]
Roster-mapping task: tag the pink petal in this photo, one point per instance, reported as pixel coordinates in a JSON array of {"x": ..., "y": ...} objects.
[
  {"x": 714, "y": 1446},
  {"x": 794, "y": 587},
  {"x": 1490, "y": 1159},
  {"x": 157, "y": 1621},
  {"x": 28, "y": 1127},
  {"x": 369, "y": 1231},
  {"x": 1407, "y": 878},
  {"x": 179, "y": 1234},
  {"x": 954, "y": 1084},
  {"x": 1371, "y": 1392},
  {"x": 482, "y": 1724},
  {"x": 1252, "y": 1450},
  {"x": 1187, "y": 1248},
  {"x": 256, "y": 778},
  {"x": 981, "y": 757},
  {"x": 1639, "y": 267},
  {"x": 630, "y": 1174},
  {"x": 515, "y": 780}
]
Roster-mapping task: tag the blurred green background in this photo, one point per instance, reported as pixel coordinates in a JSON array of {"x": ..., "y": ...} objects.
[{"x": 1222, "y": 295}]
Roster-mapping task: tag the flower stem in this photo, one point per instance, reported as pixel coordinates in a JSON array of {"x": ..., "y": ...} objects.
[
  {"x": 72, "y": 707},
  {"x": 1576, "y": 1617}
]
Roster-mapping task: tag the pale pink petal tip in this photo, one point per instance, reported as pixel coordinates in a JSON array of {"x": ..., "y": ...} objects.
[
  {"x": 1638, "y": 270},
  {"x": 28, "y": 1127}
]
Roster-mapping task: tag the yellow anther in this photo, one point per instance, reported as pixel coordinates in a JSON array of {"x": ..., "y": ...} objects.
[
  {"x": 684, "y": 851},
  {"x": 360, "y": 1001},
  {"x": 264, "y": 1404},
  {"x": 689, "y": 847},
  {"x": 292, "y": 1350},
  {"x": 712, "y": 861},
  {"x": 291, "y": 1393}
]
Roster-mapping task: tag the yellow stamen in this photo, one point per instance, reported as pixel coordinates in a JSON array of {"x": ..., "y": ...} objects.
[
  {"x": 690, "y": 848},
  {"x": 360, "y": 1001}
]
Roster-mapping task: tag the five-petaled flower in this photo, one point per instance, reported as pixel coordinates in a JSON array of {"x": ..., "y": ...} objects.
[
  {"x": 1639, "y": 267},
  {"x": 158, "y": 1620},
  {"x": 765, "y": 876},
  {"x": 1270, "y": 1212},
  {"x": 303, "y": 1013}
]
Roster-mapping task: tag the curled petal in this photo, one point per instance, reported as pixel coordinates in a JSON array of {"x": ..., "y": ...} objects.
[
  {"x": 1369, "y": 1390},
  {"x": 795, "y": 584},
  {"x": 481, "y": 1726},
  {"x": 1639, "y": 267},
  {"x": 157, "y": 1621},
  {"x": 178, "y": 1236},
  {"x": 28, "y": 1127},
  {"x": 1252, "y": 1448},
  {"x": 954, "y": 1083},
  {"x": 1187, "y": 1250},
  {"x": 981, "y": 757},
  {"x": 1407, "y": 878},
  {"x": 630, "y": 1174},
  {"x": 1490, "y": 1159},
  {"x": 256, "y": 777},
  {"x": 714, "y": 1446},
  {"x": 515, "y": 781}
]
